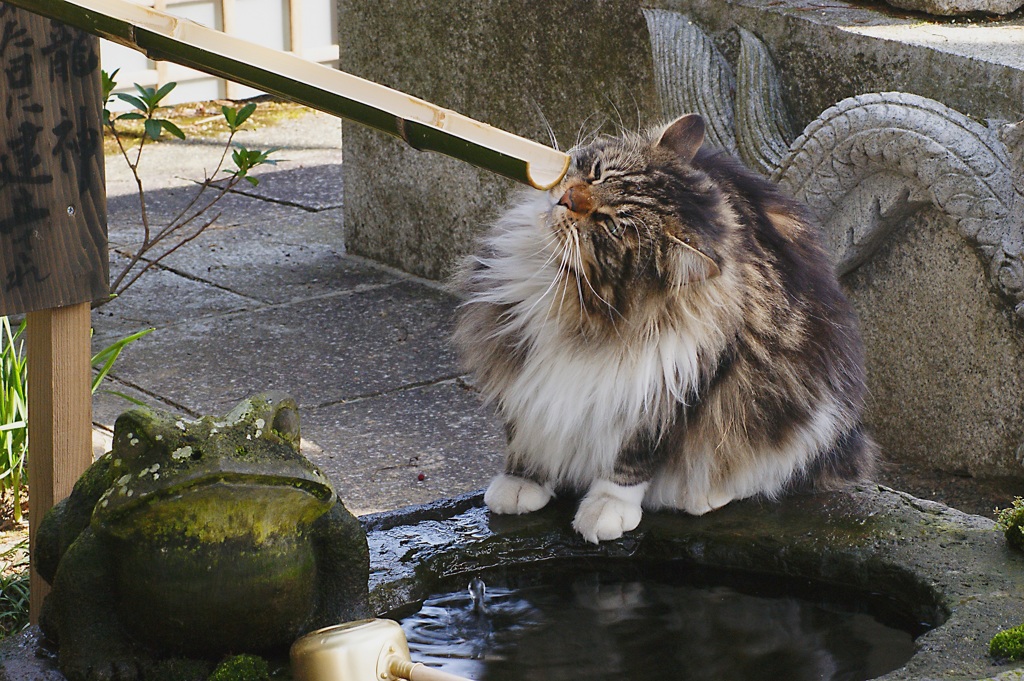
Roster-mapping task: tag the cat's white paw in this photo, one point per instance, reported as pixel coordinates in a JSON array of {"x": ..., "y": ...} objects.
[
  {"x": 608, "y": 511},
  {"x": 510, "y": 494}
]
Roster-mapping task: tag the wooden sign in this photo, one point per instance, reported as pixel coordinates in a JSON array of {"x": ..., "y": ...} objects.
[{"x": 53, "y": 237}]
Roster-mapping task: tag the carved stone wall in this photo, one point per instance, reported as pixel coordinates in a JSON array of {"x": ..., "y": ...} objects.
[
  {"x": 922, "y": 209},
  {"x": 945, "y": 365}
]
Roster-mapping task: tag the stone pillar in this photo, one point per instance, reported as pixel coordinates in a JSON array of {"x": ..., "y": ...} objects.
[{"x": 564, "y": 67}]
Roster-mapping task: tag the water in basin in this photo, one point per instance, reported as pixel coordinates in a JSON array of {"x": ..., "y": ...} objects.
[{"x": 656, "y": 623}]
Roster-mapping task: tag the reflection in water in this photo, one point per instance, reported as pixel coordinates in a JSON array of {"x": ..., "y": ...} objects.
[{"x": 593, "y": 626}]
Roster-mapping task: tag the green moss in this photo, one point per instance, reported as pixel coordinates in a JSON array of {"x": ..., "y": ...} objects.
[
  {"x": 1008, "y": 644},
  {"x": 176, "y": 669},
  {"x": 242, "y": 668},
  {"x": 1011, "y": 522}
]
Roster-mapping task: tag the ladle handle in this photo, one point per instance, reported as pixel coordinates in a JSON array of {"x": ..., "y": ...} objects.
[{"x": 404, "y": 669}]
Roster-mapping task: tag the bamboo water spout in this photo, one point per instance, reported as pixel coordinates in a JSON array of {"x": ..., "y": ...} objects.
[
  {"x": 422, "y": 125},
  {"x": 359, "y": 651}
]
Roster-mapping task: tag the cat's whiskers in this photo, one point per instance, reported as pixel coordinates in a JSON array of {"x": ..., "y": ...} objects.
[
  {"x": 640, "y": 238},
  {"x": 562, "y": 278},
  {"x": 544, "y": 121},
  {"x": 582, "y": 139},
  {"x": 577, "y": 257},
  {"x": 551, "y": 239},
  {"x": 553, "y": 252},
  {"x": 620, "y": 124},
  {"x": 547, "y": 241}
]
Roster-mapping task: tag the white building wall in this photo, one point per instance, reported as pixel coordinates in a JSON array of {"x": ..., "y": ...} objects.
[{"x": 306, "y": 27}]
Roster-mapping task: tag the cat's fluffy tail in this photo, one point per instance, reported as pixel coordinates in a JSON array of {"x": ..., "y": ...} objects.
[{"x": 851, "y": 459}]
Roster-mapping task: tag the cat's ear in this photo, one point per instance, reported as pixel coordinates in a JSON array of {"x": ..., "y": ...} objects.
[
  {"x": 684, "y": 136},
  {"x": 694, "y": 264}
]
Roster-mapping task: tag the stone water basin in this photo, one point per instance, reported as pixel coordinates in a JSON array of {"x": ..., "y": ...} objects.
[{"x": 944, "y": 580}]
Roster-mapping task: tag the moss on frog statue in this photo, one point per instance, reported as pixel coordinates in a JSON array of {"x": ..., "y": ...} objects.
[
  {"x": 241, "y": 668},
  {"x": 196, "y": 539}
]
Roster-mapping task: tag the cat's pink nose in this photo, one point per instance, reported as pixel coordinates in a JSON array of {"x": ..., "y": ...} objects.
[{"x": 577, "y": 199}]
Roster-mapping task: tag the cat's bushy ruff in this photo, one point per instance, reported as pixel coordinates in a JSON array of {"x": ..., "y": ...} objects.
[{"x": 663, "y": 329}]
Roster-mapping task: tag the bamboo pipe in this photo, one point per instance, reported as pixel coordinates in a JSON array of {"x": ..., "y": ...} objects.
[
  {"x": 422, "y": 125},
  {"x": 360, "y": 651}
]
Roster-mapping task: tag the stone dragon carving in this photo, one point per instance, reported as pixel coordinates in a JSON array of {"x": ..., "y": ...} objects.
[
  {"x": 691, "y": 76},
  {"x": 865, "y": 164},
  {"x": 938, "y": 155},
  {"x": 763, "y": 126}
]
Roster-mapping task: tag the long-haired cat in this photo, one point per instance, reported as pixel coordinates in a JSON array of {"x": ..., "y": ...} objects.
[{"x": 663, "y": 329}]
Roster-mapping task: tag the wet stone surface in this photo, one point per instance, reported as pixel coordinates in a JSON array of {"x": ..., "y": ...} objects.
[{"x": 938, "y": 566}]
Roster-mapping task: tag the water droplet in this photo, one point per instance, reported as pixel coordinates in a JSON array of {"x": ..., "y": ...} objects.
[{"x": 477, "y": 592}]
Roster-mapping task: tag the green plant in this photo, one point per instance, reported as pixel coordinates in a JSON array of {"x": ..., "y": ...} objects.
[
  {"x": 13, "y": 413},
  {"x": 157, "y": 243},
  {"x": 14, "y": 403},
  {"x": 105, "y": 358},
  {"x": 1011, "y": 522},
  {"x": 1008, "y": 644},
  {"x": 14, "y": 578}
]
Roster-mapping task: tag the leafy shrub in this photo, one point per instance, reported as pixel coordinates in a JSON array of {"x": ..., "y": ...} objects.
[
  {"x": 13, "y": 413},
  {"x": 157, "y": 242},
  {"x": 1011, "y": 522},
  {"x": 14, "y": 591},
  {"x": 1008, "y": 644},
  {"x": 14, "y": 404}
]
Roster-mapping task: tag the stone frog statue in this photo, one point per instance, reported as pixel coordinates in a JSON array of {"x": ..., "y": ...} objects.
[{"x": 197, "y": 539}]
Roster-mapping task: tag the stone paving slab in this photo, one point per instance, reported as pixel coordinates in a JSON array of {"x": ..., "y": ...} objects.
[
  {"x": 311, "y": 140},
  {"x": 107, "y": 404},
  {"x": 308, "y": 178},
  {"x": 276, "y": 262},
  {"x": 314, "y": 130},
  {"x": 312, "y": 180},
  {"x": 321, "y": 350},
  {"x": 149, "y": 303},
  {"x": 164, "y": 205},
  {"x": 376, "y": 449}
]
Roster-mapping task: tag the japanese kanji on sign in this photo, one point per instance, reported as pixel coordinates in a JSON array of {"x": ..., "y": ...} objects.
[{"x": 53, "y": 249}]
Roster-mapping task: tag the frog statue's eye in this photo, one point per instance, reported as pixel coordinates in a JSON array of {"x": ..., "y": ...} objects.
[{"x": 286, "y": 423}]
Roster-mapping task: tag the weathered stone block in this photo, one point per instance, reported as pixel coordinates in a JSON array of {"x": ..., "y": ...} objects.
[
  {"x": 575, "y": 67},
  {"x": 957, "y": 7},
  {"x": 945, "y": 365},
  {"x": 932, "y": 563}
]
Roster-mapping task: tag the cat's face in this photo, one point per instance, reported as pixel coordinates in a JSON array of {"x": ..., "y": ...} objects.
[{"x": 633, "y": 218}]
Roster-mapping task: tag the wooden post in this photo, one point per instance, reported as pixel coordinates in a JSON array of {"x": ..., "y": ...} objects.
[
  {"x": 295, "y": 42},
  {"x": 59, "y": 416},
  {"x": 53, "y": 239},
  {"x": 228, "y": 25}
]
